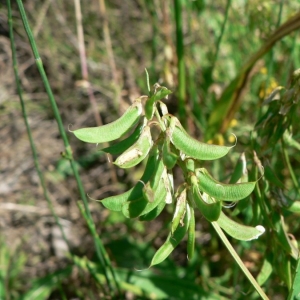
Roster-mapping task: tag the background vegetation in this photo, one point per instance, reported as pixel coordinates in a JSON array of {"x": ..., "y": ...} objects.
[{"x": 221, "y": 59}]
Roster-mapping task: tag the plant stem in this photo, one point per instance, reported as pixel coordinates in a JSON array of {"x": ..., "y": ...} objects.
[
  {"x": 295, "y": 290},
  {"x": 238, "y": 260},
  {"x": 83, "y": 61},
  {"x": 24, "y": 113},
  {"x": 213, "y": 64},
  {"x": 288, "y": 164},
  {"x": 85, "y": 77},
  {"x": 100, "y": 250},
  {"x": 161, "y": 123},
  {"x": 180, "y": 62},
  {"x": 108, "y": 46}
]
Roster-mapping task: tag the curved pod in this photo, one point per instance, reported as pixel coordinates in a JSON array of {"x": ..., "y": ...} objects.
[
  {"x": 137, "y": 152},
  {"x": 193, "y": 148},
  {"x": 113, "y": 130},
  {"x": 115, "y": 203},
  {"x": 239, "y": 231},
  {"x": 172, "y": 240},
  {"x": 222, "y": 191}
]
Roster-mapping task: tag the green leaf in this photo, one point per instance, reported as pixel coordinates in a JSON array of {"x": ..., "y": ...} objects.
[
  {"x": 287, "y": 245},
  {"x": 295, "y": 290},
  {"x": 42, "y": 288},
  {"x": 265, "y": 272}
]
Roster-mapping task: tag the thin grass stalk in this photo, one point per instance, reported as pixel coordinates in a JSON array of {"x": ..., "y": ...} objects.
[
  {"x": 41, "y": 17},
  {"x": 238, "y": 260},
  {"x": 108, "y": 46},
  {"x": 96, "y": 238},
  {"x": 180, "y": 63},
  {"x": 197, "y": 111},
  {"x": 271, "y": 62},
  {"x": 83, "y": 62},
  {"x": 100, "y": 250},
  {"x": 85, "y": 77},
  {"x": 24, "y": 113},
  {"x": 290, "y": 60},
  {"x": 295, "y": 290},
  {"x": 261, "y": 206},
  {"x": 289, "y": 166},
  {"x": 150, "y": 6},
  {"x": 218, "y": 44}
]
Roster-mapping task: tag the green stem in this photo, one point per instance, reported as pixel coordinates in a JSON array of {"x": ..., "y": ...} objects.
[
  {"x": 261, "y": 201},
  {"x": 24, "y": 113},
  {"x": 100, "y": 250},
  {"x": 161, "y": 123},
  {"x": 180, "y": 58},
  {"x": 213, "y": 64},
  {"x": 96, "y": 238},
  {"x": 295, "y": 286},
  {"x": 271, "y": 62},
  {"x": 288, "y": 163},
  {"x": 238, "y": 260}
]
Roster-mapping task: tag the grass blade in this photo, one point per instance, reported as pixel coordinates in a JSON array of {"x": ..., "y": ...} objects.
[
  {"x": 180, "y": 64},
  {"x": 100, "y": 250},
  {"x": 238, "y": 260}
]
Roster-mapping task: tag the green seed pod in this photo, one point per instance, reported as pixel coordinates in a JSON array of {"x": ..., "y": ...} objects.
[
  {"x": 172, "y": 240},
  {"x": 167, "y": 178},
  {"x": 168, "y": 155},
  {"x": 154, "y": 213},
  {"x": 240, "y": 173},
  {"x": 134, "y": 209},
  {"x": 123, "y": 145},
  {"x": 137, "y": 152},
  {"x": 150, "y": 187},
  {"x": 115, "y": 203},
  {"x": 114, "y": 130},
  {"x": 193, "y": 148},
  {"x": 222, "y": 191},
  {"x": 239, "y": 231},
  {"x": 163, "y": 108},
  {"x": 210, "y": 209},
  {"x": 191, "y": 235},
  {"x": 179, "y": 210}
]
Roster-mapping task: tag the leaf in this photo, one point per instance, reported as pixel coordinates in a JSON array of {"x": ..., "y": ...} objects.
[
  {"x": 42, "y": 288},
  {"x": 265, "y": 272},
  {"x": 295, "y": 290}
]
